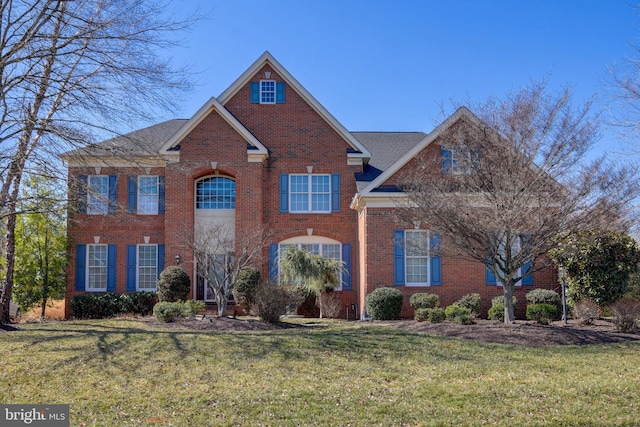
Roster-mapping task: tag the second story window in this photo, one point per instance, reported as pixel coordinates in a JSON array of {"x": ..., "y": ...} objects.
[
  {"x": 216, "y": 193},
  {"x": 267, "y": 91},
  {"x": 98, "y": 194},
  {"x": 148, "y": 195},
  {"x": 310, "y": 193}
]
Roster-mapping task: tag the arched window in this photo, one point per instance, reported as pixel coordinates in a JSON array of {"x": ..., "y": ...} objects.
[{"x": 216, "y": 193}]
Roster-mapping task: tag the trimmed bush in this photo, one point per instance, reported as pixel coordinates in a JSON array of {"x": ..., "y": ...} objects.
[
  {"x": 138, "y": 302},
  {"x": 174, "y": 284},
  {"x": 471, "y": 301},
  {"x": 542, "y": 313},
  {"x": 272, "y": 301},
  {"x": 244, "y": 291},
  {"x": 626, "y": 315},
  {"x": 458, "y": 314},
  {"x": 496, "y": 312},
  {"x": 170, "y": 311},
  {"x": 96, "y": 306},
  {"x": 421, "y": 314},
  {"x": 586, "y": 311},
  {"x": 436, "y": 315},
  {"x": 544, "y": 296},
  {"x": 167, "y": 312},
  {"x": 384, "y": 304},
  {"x": 424, "y": 300}
]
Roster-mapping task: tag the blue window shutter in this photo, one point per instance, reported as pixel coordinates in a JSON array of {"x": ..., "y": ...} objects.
[
  {"x": 528, "y": 279},
  {"x": 489, "y": 276},
  {"x": 132, "y": 198},
  {"x": 436, "y": 261},
  {"x": 273, "y": 262},
  {"x": 111, "y": 268},
  {"x": 161, "y": 194},
  {"x": 160, "y": 259},
  {"x": 436, "y": 270},
  {"x": 280, "y": 93},
  {"x": 284, "y": 192},
  {"x": 255, "y": 93},
  {"x": 346, "y": 258},
  {"x": 335, "y": 192},
  {"x": 447, "y": 160},
  {"x": 82, "y": 194},
  {"x": 398, "y": 257},
  {"x": 81, "y": 267},
  {"x": 132, "y": 256},
  {"x": 113, "y": 193}
]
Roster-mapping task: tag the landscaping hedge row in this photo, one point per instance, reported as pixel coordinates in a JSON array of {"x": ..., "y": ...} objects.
[{"x": 99, "y": 306}]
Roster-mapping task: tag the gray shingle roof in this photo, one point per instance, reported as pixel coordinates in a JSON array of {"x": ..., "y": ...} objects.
[
  {"x": 141, "y": 142},
  {"x": 385, "y": 147}
]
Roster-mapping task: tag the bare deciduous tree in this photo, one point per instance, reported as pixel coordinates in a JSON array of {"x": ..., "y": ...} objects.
[
  {"x": 513, "y": 177},
  {"x": 219, "y": 256},
  {"x": 72, "y": 72}
]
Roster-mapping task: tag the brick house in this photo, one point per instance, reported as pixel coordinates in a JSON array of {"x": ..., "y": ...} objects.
[{"x": 264, "y": 153}]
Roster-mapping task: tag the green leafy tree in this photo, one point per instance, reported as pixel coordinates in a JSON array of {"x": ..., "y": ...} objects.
[
  {"x": 599, "y": 264},
  {"x": 315, "y": 274},
  {"x": 41, "y": 258}
]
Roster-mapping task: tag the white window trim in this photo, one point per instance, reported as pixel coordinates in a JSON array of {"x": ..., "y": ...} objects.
[
  {"x": 517, "y": 246},
  {"x": 98, "y": 196},
  {"x": 195, "y": 195},
  {"x": 456, "y": 154},
  {"x": 106, "y": 268},
  {"x": 309, "y": 193},
  {"x": 275, "y": 89},
  {"x": 138, "y": 288},
  {"x": 311, "y": 240},
  {"x": 139, "y": 193},
  {"x": 428, "y": 257}
]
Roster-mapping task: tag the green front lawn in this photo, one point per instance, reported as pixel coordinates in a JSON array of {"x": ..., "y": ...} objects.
[{"x": 335, "y": 373}]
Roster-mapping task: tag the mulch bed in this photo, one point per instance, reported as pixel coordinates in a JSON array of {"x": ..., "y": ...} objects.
[{"x": 522, "y": 333}]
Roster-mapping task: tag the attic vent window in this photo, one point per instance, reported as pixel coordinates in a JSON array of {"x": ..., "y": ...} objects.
[{"x": 267, "y": 91}]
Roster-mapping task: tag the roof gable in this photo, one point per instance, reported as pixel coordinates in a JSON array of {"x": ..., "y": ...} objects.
[
  {"x": 257, "y": 150},
  {"x": 358, "y": 150},
  {"x": 413, "y": 152}
]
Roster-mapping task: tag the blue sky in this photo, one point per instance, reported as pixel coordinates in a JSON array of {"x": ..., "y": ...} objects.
[{"x": 390, "y": 65}]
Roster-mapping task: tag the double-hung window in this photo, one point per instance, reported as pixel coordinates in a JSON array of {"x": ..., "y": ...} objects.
[
  {"x": 267, "y": 91},
  {"x": 310, "y": 193},
  {"x": 459, "y": 160},
  {"x": 416, "y": 258},
  {"x": 147, "y": 267},
  {"x": 98, "y": 194},
  {"x": 96, "y": 268},
  {"x": 148, "y": 195}
]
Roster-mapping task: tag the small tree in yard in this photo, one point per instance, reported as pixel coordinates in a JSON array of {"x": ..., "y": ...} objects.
[
  {"x": 220, "y": 256},
  {"x": 312, "y": 272},
  {"x": 599, "y": 264},
  {"x": 510, "y": 179}
]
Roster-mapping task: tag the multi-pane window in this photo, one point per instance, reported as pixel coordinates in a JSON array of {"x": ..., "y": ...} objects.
[
  {"x": 326, "y": 250},
  {"x": 96, "y": 267},
  {"x": 417, "y": 256},
  {"x": 148, "y": 195},
  {"x": 98, "y": 194},
  {"x": 216, "y": 193},
  {"x": 147, "y": 267},
  {"x": 310, "y": 193},
  {"x": 267, "y": 91}
]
